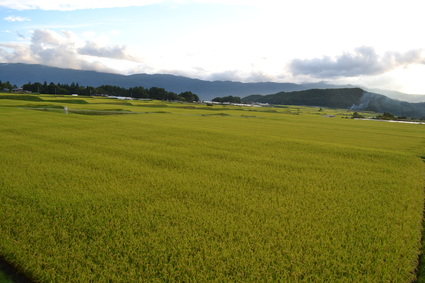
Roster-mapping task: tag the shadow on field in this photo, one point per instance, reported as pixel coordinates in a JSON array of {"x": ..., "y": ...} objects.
[{"x": 8, "y": 273}]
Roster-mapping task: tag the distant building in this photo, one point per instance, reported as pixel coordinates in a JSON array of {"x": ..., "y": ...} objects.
[{"x": 18, "y": 89}]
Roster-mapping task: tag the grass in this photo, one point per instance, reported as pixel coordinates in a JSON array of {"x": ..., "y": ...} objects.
[
  {"x": 20, "y": 97},
  {"x": 73, "y": 101},
  {"x": 193, "y": 196}
]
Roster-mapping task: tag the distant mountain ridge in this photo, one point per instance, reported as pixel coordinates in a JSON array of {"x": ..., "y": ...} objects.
[
  {"x": 19, "y": 74},
  {"x": 398, "y": 95},
  {"x": 345, "y": 98}
]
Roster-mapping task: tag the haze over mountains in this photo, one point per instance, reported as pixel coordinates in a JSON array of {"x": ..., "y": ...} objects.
[{"x": 20, "y": 74}]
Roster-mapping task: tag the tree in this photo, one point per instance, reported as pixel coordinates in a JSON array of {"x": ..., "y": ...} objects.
[
  {"x": 139, "y": 92},
  {"x": 231, "y": 99},
  {"x": 189, "y": 96},
  {"x": 157, "y": 93},
  {"x": 44, "y": 88},
  {"x": 51, "y": 88},
  {"x": 114, "y": 90},
  {"x": 5, "y": 85},
  {"x": 387, "y": 116},
  {"x": 356, "y": 115},
  {"x": 35, "y": 87},
  {"x": 136, "y": 92}
]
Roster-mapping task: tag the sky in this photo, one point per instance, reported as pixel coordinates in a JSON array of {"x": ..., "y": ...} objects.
[{"x": 375, "y": 44}]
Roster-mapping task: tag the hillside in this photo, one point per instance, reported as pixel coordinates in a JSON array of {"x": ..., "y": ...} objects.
[
  {"x": 352, "y": 98},
  {"x": 335, "y": 98},
  {"x": 20, "y": 74}
]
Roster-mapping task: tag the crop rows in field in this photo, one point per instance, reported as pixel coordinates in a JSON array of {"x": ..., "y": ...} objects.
[{"x": 181, "y": 196}]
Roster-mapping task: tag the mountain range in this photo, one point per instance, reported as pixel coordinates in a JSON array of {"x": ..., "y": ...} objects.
[
  {"x": 313, "y": 94},
  {"x": 19, "y": 74}
]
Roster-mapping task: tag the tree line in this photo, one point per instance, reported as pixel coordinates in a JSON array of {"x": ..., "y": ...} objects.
[
  {"x": 231, "y": 99},
  {"x": 6, "y": 85},
  {"x": 110, "y": 90}
]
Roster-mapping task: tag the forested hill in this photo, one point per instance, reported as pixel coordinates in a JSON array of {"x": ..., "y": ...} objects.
[
  {"x": 336, "y": 98},
  {"x": 346, "y": 98}
]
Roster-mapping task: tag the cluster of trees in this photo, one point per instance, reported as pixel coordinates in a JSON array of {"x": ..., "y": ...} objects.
[
  {"x": 7, "y": 85},
  {"x": 231, "y": 99},
  {"x": 357, "y": 115},
  {"x": 384, "y": 116},
  {"x": 391, "y": 116},
  {"x": 135, "y": 92}
]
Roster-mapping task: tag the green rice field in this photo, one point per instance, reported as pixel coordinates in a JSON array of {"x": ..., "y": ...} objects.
[{"x": 148, "y": 191}]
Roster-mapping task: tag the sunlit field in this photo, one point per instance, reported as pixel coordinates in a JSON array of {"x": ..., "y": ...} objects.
[{"x": 125, "y": 191}]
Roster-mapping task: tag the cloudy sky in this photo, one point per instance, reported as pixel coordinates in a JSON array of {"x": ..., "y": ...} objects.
[{"x": 377, "y": 44}]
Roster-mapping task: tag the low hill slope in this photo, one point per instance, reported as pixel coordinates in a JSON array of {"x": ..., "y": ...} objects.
[{"x": 350, "y": 98}]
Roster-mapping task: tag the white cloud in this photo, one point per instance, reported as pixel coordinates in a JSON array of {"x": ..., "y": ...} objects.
[
  {"x": 15, "y": 53},
  {"x": 238, "y": 76},
  {"x": 364, "y": 61},
  {"x": 245, "y": 40},
  {"x": 69, "y": 5},
  {"x": 65, "y": 50},
  {"x": 16, "y": 19},
  {"x": 112, "y": 52}
]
